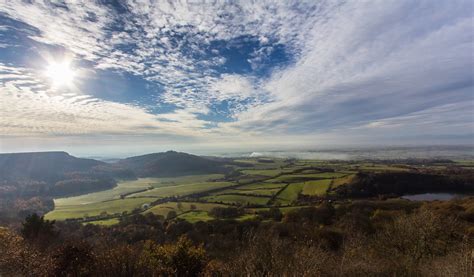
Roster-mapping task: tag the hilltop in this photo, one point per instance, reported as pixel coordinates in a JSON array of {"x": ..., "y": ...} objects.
[
  {"x": 172, "y": 163},
  {"x": 42, "y": 166}
]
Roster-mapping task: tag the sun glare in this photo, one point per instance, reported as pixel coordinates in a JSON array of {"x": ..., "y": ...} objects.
[{"x": 60, "y": 74}]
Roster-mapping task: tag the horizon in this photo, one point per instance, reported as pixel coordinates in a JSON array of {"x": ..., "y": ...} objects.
[
  {"x": 392, "y": 152},
  {"x": 127, "y": 78}
]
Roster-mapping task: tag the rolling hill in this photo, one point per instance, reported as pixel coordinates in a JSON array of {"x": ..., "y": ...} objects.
[
  {"x": 42, "y": 166},
  {"x": 172, "y": 163}
]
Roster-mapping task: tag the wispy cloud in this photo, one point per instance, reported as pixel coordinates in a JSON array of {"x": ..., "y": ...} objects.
[
  {"x": 290, "y": 68},
  {"x": 30, "y": 108},
  {"x": 373, "y": 61}
]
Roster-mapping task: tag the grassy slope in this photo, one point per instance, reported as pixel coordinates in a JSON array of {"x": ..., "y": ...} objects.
[
  {"x": 262, "y": 186},
  {"x": 106, "y": 222},
  {"x": 186, "y": 185},
  {"x": 111, "y": 207},
  {"x": 165, "y": 208},
  {"x": 189, "y": 179},
  {"x": 343, "y": 180},
  {"x": 296, "y": 177},
  {"x": 318, "y": 187},
  {"x": 290, "y": 194},
  {"x": 121, "y": 188},
  {"x": 196, "y": 216},
  {"x": 237, "y": 199},
  {"x": 261, "y": 191},
  {"x": 263, "y": 172},
  {"x": 181, "y": 190}
]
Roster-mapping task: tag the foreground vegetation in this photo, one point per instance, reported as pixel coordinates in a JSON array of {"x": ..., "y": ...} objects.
[
  {"x": 361, "y": 238},
  {"x": 252, "y": 217}
]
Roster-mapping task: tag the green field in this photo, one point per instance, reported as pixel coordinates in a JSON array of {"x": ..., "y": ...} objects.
[
  {"x": 181, "y": 190},
  {"x": 381, "y": 168},
  {"x": 123, "y": 187},
  {"x": 106, "y": 222},
  {"x": 301, "y": 177},
  {"x": 261, "y": 186},
  {"x": 290, "y": 194},
  {"x": 261, "y": 191},
  {"x": 237, "y": 199},
  {"x": 263, "y": 172},
  {"x": 318, "y": 188},
  {"x": 277, "y": 163},
  {"x": 165, "y": 208},
  {"x": 344, "y": 180},
  {"x": 283, "y": 210},
  {"x": 94, "y": 209},
  {"x": 195, "y": 216},
  {"x": 183, "y": 180},
  {"x": 257, "y": 186}
]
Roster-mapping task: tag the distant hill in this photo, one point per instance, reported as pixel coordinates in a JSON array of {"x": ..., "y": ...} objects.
[
  {"x": 172, "y": 163},
  {"x": 42, "y": 166}
]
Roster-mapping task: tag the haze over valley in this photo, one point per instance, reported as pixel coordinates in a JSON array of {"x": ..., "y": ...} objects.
[{"x": 236, "y": 138}]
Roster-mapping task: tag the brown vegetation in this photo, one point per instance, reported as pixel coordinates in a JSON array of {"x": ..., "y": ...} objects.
[{"x": 364, "y": 238}]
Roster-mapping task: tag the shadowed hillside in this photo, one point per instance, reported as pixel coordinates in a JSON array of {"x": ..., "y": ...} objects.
[
  {"x": 171, "y": 163},
  {"x": 400, "y": 183},
  {"x": 42, "y": 166}
]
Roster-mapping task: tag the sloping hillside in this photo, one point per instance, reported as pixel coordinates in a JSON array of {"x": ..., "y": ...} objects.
[
  {"x": 171, "y": 163},
  {"x": 41, "y": 166}
]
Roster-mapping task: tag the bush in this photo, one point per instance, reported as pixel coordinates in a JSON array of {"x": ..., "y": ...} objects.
[
  {"x": 179, "y": 259},
  {"x": 220, "y": 212}
]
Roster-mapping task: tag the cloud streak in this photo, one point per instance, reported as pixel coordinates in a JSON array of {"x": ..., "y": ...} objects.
[{"x": 348, "y": 70}]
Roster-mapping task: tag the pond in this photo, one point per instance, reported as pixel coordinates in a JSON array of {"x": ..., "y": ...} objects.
[{"x": 441, "y": 196}]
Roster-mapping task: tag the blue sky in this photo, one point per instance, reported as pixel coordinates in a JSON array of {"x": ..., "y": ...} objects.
[{"x": 140, "y": 76}]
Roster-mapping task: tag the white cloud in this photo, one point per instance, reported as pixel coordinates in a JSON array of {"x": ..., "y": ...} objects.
[
  {"x": 369, "y": 61},
  {"x": 233, "y": 87},
  {"x": 359, "y": 66},
  {"x": 34, "y": 112}
]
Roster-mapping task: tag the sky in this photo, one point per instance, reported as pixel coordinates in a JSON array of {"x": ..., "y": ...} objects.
[{"x": 102, "y": 77}]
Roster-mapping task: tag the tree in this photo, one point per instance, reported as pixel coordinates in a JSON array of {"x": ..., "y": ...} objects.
[
  {"x": 171, "y": 215},
  {"x": 37, "y": 228},
  {"x": 179, "y": 259},
  {"x": 275, "y": 214},
  {"x": 73, "y": 260}
]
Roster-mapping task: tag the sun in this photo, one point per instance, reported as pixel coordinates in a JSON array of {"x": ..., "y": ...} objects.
[{"x": 60, "y": 73}]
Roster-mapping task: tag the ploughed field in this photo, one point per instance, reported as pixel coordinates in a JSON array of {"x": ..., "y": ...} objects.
[{"x": 254, "y": 185}]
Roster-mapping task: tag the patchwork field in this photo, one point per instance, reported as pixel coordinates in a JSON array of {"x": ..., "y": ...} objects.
[
  {"x": 237, "y": 199},
  {"x": 251, "y": 192},
  {"x": 318, "y": 188},
  {"x": 181, "y": 190},
  {"x": 263, "y": 172},
  {"x": 300, "y": 177},
  {"x": 262, "y": 185},
  {"x": 95, "y": 209},
  {"x": 122, "y": 188},
  {"x": 342, "y": 181},
  {"x": 181, "y": 207},
  {"x": 289, "y": 194},
  {"x": 183, "y": 180},
  {"x": 195, "y": 216},
  {"x": 258, "y": 183}
]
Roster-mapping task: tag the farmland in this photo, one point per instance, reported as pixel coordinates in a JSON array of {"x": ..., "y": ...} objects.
[
  {"x": 181, "y": 190},
  {"x": 181, "y": 207},
  {"x": 256, "y": 184},
  {"x": 98, "y": 208},
  {"x": 122, "y": 188}
]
